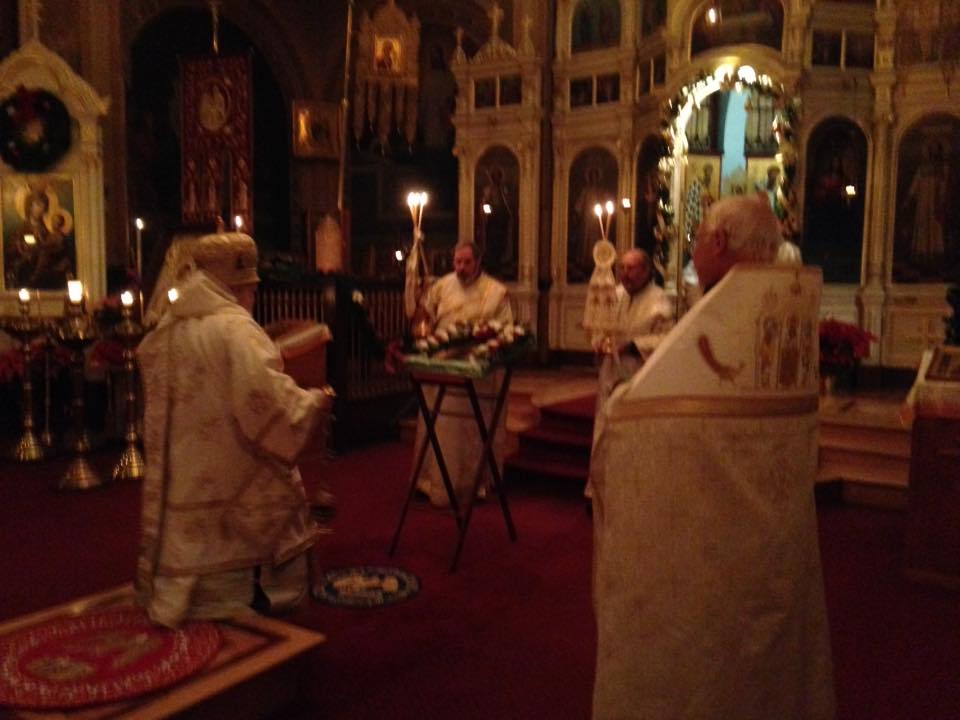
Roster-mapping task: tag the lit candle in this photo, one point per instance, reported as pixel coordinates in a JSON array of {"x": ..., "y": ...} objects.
[
  {"x": 423, "y": 204},
  {"x": 24, "y": 295},
  {"x": 140, "y": 225},
  {"x": 598, "y": 211},
  {"x": 625, "y": 203},
  {"x": 412, "y": 201},
  {"x": 30, "y": 239},
  {"x": 172, "y": 295},
  {"x": 238, "y": 222},
  {"x": 126, "y": 298},
  {"x": 75, "y": 291},
  {"x": 487, "y": 210}
]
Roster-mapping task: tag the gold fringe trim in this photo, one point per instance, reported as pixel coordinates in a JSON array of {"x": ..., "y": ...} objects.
[{"x": 708, "y": 406}]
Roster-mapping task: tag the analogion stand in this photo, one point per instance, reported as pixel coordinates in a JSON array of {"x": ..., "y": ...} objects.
[{"x": 460, "y": 375}]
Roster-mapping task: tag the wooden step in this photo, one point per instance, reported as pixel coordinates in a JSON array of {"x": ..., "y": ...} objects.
[
  {"x": 560, "y": 440},
  {"x": 544, "y": 464}
]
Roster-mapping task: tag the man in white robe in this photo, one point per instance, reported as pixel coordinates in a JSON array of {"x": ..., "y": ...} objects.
[
  {"x": 708, "y": 590},
  {"x": 224, "y": 514},
  {"x": 465, "y": 295},
  {"x": 644, "y": 315}
]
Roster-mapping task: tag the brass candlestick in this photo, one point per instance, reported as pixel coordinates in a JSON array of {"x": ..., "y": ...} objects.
[
  {"x": 77, "y": 331},
  {"x": 26, "y": 329},
  {"x": 46, "y": 437},
  {"x": 130, "y": 466}
]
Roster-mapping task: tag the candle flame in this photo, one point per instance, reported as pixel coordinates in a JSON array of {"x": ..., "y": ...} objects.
[
  {"x": 24, "y": 295},
  {"x": 126, "y": 297},
  {"x": 139, "y": 223},
  {"x": 30, "y": 239},
  {"x": 172, "y": 295},
  {"x": 75, "y": 291}
]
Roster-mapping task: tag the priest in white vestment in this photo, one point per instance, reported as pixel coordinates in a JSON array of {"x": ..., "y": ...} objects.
[
  {"x": 708, "y": 590},
  {"x": 644, "y": 315},
  {"x": 465, "y": 295},
  {"x": 224, "y": 514}
]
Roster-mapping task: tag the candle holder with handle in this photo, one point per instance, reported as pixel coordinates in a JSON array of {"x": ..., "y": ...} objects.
[
  {"x": 76, "y": 331},
  {"x": 129, "y": 331}
]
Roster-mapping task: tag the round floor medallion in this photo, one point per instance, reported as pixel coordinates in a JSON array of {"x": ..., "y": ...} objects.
[
  {"x": 366, "y": 586},
  {"x": 99, "y": 657}
]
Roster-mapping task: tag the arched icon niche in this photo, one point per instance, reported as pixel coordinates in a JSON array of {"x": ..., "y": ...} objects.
[
  {"x": 833, "y": 203},
  {"x": 593, "y": 180},
  {"x": 496, "y": 212},
  {"x": 728, "y": 133}
]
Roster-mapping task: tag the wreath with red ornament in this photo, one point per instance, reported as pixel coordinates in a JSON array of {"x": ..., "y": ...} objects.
[{"x": 34, "y": 130}]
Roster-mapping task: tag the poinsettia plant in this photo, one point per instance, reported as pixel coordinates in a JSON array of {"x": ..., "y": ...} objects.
[{"x": 842, "y": 345}]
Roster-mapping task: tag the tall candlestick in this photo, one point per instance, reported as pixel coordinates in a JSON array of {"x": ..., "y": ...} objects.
[{"x": 140, "y": 225}]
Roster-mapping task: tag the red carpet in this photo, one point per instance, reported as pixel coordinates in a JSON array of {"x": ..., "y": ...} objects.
[{"x": 511, "y": 635}]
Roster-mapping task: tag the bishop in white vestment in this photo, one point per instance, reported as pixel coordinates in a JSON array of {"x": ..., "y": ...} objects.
[{"x": 222, "y": 497}]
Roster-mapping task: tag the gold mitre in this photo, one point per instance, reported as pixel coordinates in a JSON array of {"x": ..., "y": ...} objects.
[{"x": 230, "y": 257}]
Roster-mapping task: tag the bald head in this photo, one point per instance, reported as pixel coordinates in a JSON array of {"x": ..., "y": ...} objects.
[{"x": 736, "y": 229}]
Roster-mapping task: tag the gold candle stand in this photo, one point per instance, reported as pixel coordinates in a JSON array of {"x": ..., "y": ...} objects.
[
  {"x": 26, "y": 329},
  {"x": 76, "y": 331},
  {"x": 130, "y": 466}
]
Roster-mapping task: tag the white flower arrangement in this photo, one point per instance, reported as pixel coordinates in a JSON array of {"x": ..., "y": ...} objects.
[{"x": 480, "y": 340}]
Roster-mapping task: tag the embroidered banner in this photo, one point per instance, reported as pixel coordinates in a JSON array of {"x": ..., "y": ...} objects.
[{"x": 217, "y": 125}]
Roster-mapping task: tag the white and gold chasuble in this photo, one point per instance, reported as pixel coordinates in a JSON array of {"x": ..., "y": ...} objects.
[
  {"x": 708, "y": 590},
  {"x": 223, "y": 427},
  {"x": 448, "y": 301}
]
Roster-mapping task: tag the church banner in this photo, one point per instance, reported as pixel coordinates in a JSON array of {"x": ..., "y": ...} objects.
[{"x": 217, "y": 126}]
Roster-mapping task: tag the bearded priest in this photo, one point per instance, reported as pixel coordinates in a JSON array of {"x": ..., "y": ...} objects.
[{"x": 708, "y": 590}]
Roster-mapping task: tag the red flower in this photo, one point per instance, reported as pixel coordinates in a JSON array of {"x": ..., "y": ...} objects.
[{"x": 843, "y": 344}]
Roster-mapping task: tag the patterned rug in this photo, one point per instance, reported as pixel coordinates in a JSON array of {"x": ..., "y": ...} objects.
[
  {"x": 366, "y": 586},
  {"x": 98, "y": 657}
]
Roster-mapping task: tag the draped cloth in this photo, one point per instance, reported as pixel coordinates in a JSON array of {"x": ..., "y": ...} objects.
[
  {"x": 707, "y": 583},
  {"x": 222, "y": 495},
  {"x": 448, "y": 301}
]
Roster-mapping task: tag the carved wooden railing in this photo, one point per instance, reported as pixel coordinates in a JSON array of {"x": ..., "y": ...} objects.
[{"x": 362, "y": 314}]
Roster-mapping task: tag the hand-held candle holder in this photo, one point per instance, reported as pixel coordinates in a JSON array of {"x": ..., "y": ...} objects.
[
  {"x": 130, "y": 466},
  {"x": 601, "y": 307},
  {"x": 417, "y": 274},
  {"x": 26, "y": 329},
  {"x": 76, "y": 331}
]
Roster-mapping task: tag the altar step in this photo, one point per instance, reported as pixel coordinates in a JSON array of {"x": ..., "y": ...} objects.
[
  {"x": 558, "y": 446},
  {"x": 865, "y": 448}
]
